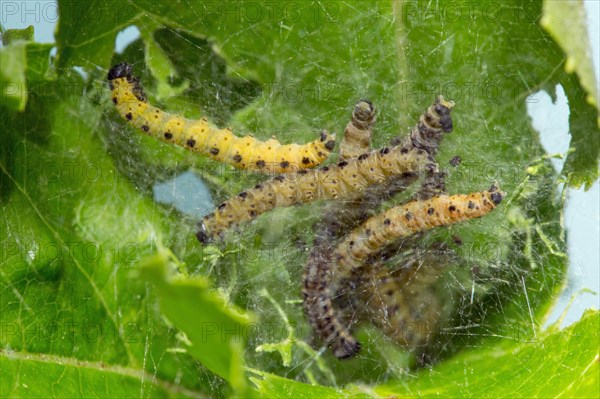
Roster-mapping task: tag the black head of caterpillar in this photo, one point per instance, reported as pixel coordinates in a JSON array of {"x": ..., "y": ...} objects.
[
  {"x": 363, "y": 115},
  {"x": 122, "y": 70},
  {"x": 200, "y": 136},
  {"x": 348, "y": 179}
]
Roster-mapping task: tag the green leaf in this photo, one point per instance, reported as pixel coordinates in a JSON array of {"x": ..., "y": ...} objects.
[
  {"x": 519, "y": 370},
  {"x": 567, "y": 23},
  {"x": 553, "y": 364},
  {"x": 12, "y": 76},
  {"x": 22, "y": 63},
  {"x": 79, "y": 213},
  {"x": 86, "y": 31},
  {"x": 212, "y": 327},
  {"x": 13, "y": 35},
  {"x": 41, "y": 376}
]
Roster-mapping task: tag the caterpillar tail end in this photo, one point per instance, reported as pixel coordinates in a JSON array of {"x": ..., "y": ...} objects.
[
  {"x": 122, "y": 70},
  {"x": 347, "y": 348}
]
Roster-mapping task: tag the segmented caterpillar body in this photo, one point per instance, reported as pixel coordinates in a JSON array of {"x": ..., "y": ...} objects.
[
  {"x": 413, "y": 217},
  {"x": 358, "y": 132},
  {"x": 345, "y": 180},
  {"x": 318, "y": 306},
  {"x": 432, "y": 125},
  {"x": 348, "y": 179},
  {"x": 356, "y": 141},
  {"x": 200, "y": 136},
  {"x": 376, "y": 233}
]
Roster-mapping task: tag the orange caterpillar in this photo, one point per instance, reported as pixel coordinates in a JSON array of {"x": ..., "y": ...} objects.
[
  {"x": 348, "y": 179},
  {"x": 376, "y": 233},
  {"x": 199, "y": 136}
]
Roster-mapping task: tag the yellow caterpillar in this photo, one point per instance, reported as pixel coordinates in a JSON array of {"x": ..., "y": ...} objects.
[
  {"x": 348, "y": 260},
  {"x": 347, "y": 180},
  {"x": 408, "y": 219},
  {"x": 199, "y": 136}
]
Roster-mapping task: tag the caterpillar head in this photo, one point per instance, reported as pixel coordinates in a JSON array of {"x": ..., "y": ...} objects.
[
  {"x": 122, "y": 70},
  {"x": 496, "y": 195},
  {"x": 364, "y": 112},
  {"x": 204, "y": 235},
  {"x": 443, "y": 108}
]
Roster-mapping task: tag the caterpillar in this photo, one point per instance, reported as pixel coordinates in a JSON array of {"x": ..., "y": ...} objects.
[
  {"x": 396, "y": 223},
  {"x": 357, "y": 135},
  {"x": 199, "y": 136},
  {"x": 356, "y": 141},
  {"x": 406, "y": 303},
  {"x": 347, "y": 180},
  {"x": 318, "y": 305},
  {"x": 432, "y": 125}
]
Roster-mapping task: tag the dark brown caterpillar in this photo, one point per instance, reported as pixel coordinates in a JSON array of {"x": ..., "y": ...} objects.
[
  {"x": 318, "y": 305},
  {"x": 199, "y": 136},
  {"x": 375, "y": 234},
  {"x": 348, "y": 179},
  {"x": 407, "y": 303}
]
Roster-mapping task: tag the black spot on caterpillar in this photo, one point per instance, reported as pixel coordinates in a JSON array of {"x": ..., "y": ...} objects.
[
  {"x": 348, "y": 260},
  {"x": 347, "y": 180},
  {"x": 199, "y": 136}
]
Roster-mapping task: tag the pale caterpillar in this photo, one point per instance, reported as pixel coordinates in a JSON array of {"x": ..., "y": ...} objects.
[{"x": 358, "y": 132}]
